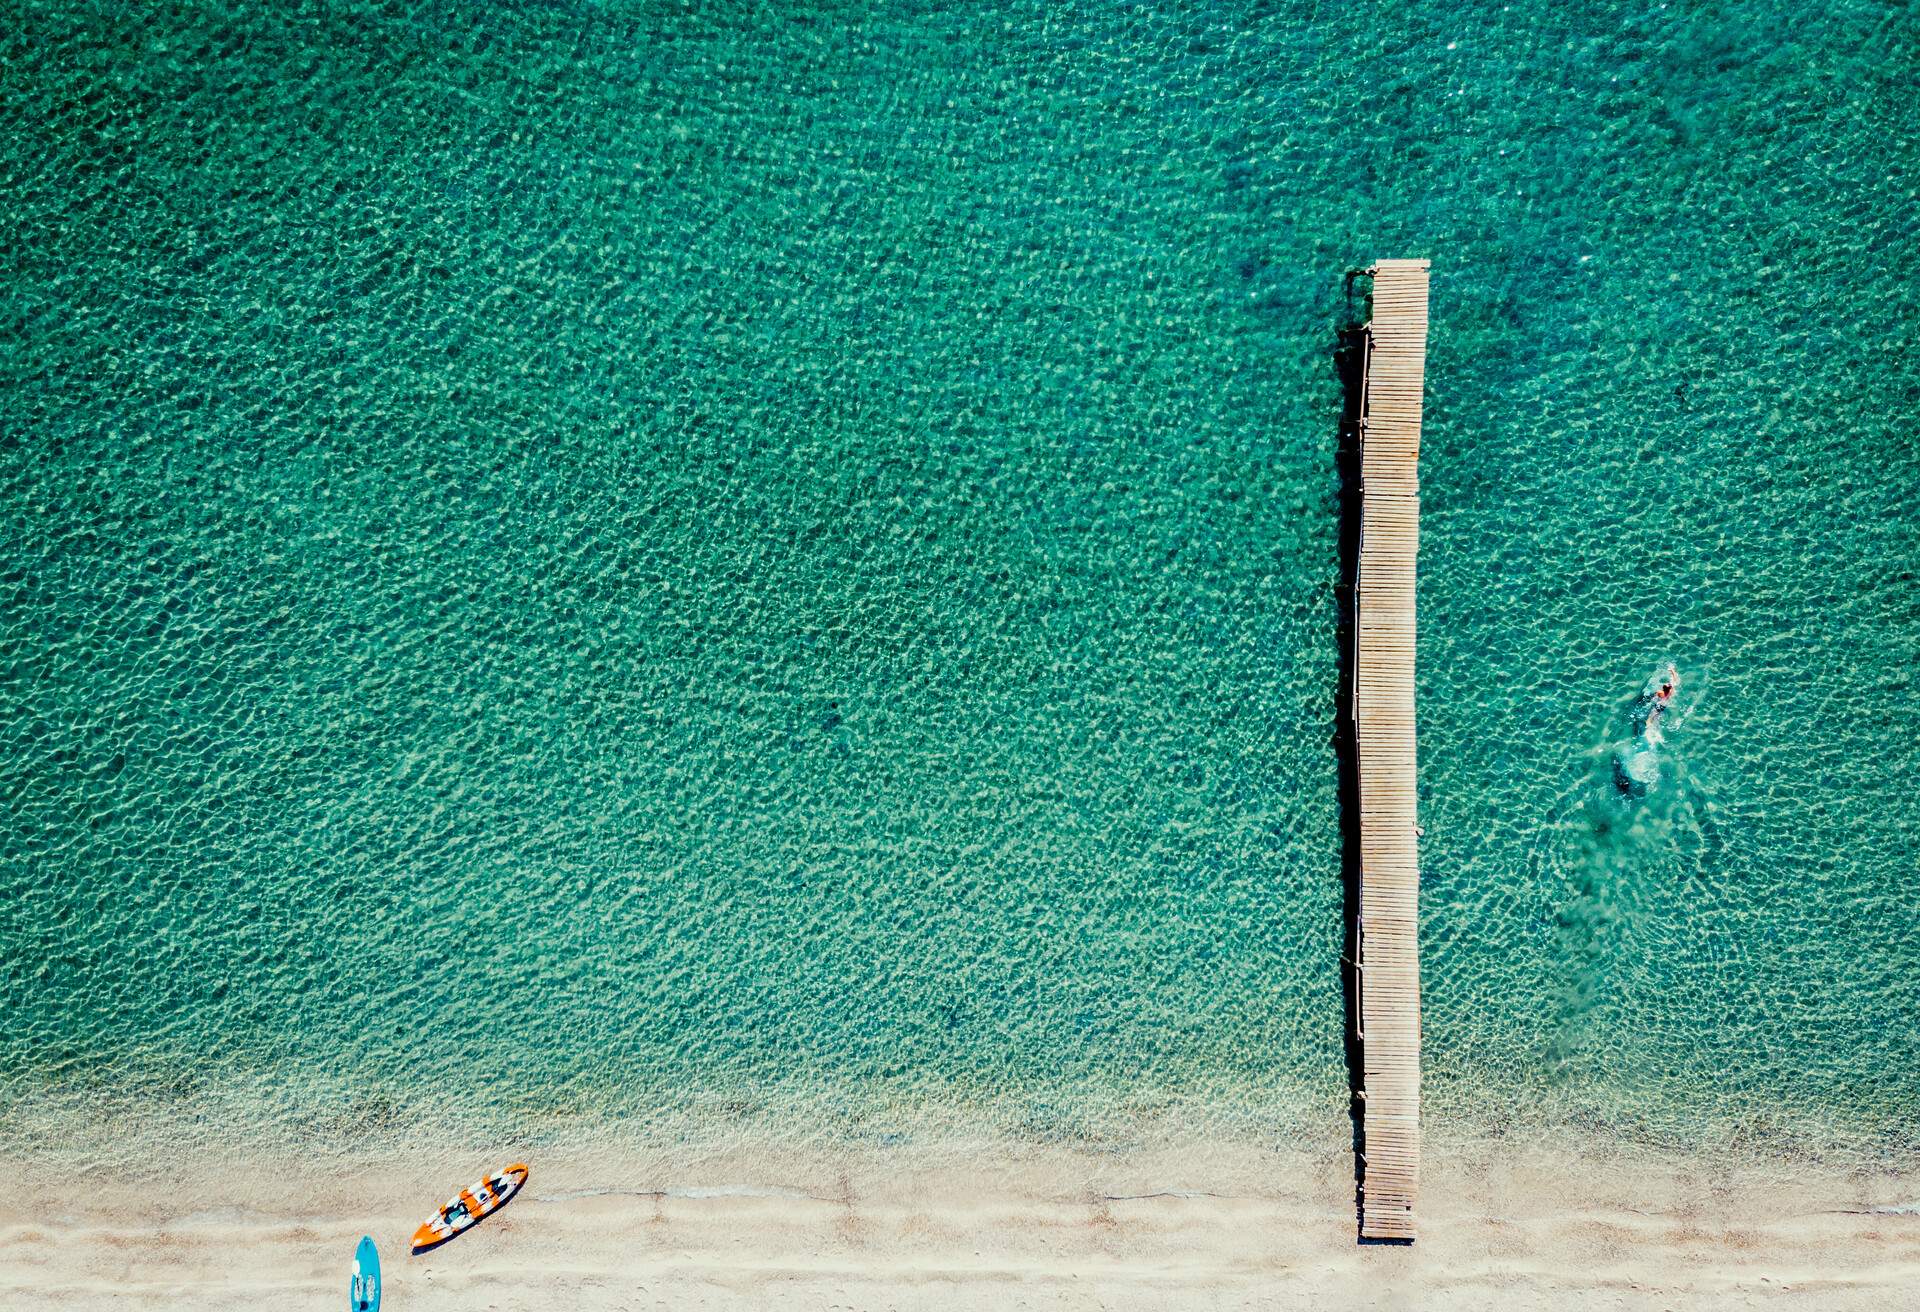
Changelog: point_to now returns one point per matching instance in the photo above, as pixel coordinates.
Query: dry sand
(1054, 1228)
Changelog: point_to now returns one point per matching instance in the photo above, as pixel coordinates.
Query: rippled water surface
(781, 562)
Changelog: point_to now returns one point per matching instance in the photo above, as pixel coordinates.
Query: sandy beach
(1046, 1229)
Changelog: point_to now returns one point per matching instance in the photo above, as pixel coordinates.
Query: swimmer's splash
(1636, 765)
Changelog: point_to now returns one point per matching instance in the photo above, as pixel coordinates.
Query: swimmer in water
(1653, 701)
(1636, 765)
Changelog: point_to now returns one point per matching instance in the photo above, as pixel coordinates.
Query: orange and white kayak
(469, 1206)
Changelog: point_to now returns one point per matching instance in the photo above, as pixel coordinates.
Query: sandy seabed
(1502, 1226)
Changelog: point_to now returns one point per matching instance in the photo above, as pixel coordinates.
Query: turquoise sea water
(779, 562)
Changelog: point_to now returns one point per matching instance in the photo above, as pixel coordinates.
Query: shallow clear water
(782, 565)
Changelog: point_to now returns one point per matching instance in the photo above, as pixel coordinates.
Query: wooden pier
(1388, 969)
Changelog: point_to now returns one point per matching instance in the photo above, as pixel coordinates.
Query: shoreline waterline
(96, 1130)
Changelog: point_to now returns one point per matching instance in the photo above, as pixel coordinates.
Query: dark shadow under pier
(1348, 359)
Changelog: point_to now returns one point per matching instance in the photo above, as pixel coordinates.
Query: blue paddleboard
(363, 1295)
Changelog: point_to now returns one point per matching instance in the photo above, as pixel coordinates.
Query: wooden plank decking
(1389, 965)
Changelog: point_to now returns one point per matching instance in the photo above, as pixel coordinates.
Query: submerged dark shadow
(1348, 359)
